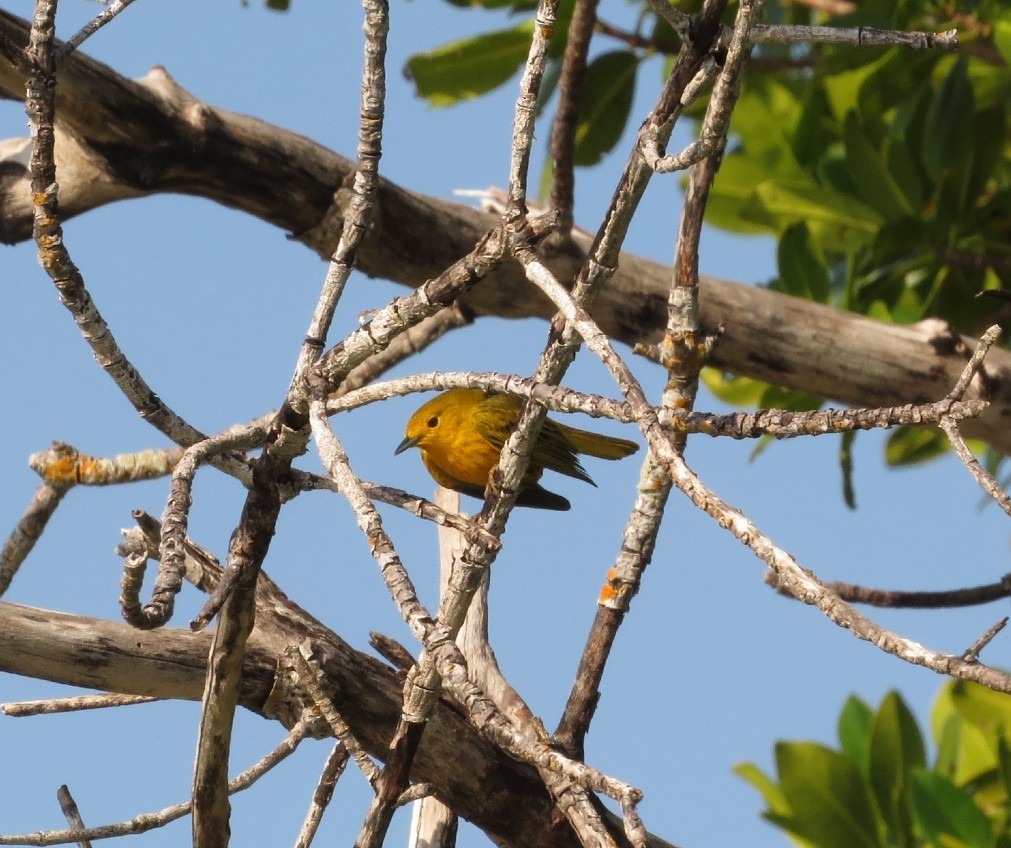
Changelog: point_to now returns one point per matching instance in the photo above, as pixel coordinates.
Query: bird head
(438, 418)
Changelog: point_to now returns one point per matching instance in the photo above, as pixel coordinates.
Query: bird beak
(407, 443)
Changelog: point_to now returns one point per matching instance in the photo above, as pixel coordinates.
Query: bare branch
(95, 24)
(51, 706)
(71, 813)
(526, 106)
(332, 771)
(150, 821)
(892, 598)
(972, 655)
(301, 657)
(563, 132)
(28, 530)
(854, 36)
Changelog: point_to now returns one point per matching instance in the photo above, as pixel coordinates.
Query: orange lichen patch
(609, 591)
(68, 469)
(607, 594)
(63, 465)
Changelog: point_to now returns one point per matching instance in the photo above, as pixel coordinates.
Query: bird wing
(555, 452)
(497, 420)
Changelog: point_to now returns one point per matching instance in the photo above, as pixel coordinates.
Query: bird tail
(598, 445)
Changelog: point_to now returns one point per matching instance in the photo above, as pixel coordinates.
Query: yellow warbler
(461, 433)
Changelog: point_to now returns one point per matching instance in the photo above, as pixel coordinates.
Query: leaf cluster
(878, 790)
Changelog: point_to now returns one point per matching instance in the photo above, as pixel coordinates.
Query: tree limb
(499, 795)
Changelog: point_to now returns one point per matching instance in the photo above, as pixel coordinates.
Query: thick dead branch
(502, 797)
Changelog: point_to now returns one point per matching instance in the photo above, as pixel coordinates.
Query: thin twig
(28, 530)
(71, 813)
(526, 106)
(40, 103)
(412, 341)
(51, 706)
(987, 482)
(972, 655)
(321, 797)
(301, 658)
(854, 36)
(64, 465)
(975, 363)
(149, 821)
(779, 423)
(897, 599)
(89, 29)
(397, 580)
(175, 520)
(563, 132)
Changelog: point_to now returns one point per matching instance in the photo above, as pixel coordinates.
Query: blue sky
(711, 667)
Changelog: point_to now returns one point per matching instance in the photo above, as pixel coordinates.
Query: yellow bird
(461, 433)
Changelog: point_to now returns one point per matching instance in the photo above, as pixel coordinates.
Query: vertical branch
(72, 813)
(289, 434)
(356, 221)
(563, 133)
(526, 108)
(424, 682)
(682, 352)
(602, 259)
(246, 553)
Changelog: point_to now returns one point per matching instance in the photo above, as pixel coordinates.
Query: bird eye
(433, 421)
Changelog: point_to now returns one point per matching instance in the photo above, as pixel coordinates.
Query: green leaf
(606, 101)
(988, 710)
(947, 815)
(896, 749)
(778, 397)
(909, 445)
(801, 201)
(843, 88)
(801, 271)
(830, 213)
(905, 173)
(948, 737)
(1002, 36)
(896, 741)
(896, 76)
(816, 128)
(767, 787)
(964, 751)
(738, 392)
(278, 5)
(746, 393)
(870, 173)
(947, 137)
(1004, 770)
(829, 798)
(855, 729)
(764, 119)
(471, 67)
(989, 140)
(733, 191)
